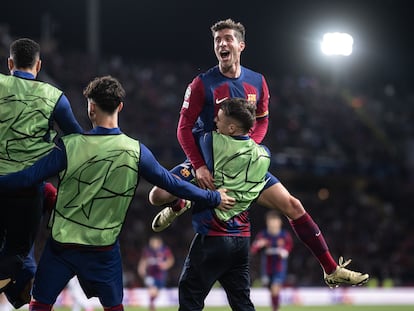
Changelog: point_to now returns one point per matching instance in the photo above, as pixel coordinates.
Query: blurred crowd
(346, 151)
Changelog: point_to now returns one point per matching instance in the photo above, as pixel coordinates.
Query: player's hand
(227, 202)
(282, 252)
(204, 178)
(261, 243)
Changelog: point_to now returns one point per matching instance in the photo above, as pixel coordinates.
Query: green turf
(286, 308)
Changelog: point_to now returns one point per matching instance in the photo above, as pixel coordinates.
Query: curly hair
(107, 92)
(240, 110)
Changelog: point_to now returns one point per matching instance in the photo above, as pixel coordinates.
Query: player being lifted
(201, 103)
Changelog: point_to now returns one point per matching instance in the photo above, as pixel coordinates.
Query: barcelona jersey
(203, 99)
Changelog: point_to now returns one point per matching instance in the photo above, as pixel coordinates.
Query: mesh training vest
(25, 130)
(239, 166)
(96, 188)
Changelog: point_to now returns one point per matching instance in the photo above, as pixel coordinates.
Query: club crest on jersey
(251, 98)
(185, 172)
(187, 94)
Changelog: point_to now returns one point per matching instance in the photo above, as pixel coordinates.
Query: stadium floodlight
(337, 43)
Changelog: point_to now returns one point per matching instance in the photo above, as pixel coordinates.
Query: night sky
(282, 36)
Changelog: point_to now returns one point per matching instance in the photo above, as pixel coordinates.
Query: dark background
(282, 36)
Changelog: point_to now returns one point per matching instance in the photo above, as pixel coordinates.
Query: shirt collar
(99, 130)
(23, 74)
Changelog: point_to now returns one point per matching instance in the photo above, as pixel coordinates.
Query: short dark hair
(240, 31)
(107, 92)
(24, 52)
(240, 110)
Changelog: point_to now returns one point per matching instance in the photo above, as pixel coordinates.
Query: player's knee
(155, 196)
(159, 197)
(296, 208)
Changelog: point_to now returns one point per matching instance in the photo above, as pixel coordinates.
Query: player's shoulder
(247, 72)
(211, 72)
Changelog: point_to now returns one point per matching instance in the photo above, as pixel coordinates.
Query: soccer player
(274, 245)
(156, 259)
(202, 100)
(98, 172)
(29, 108)
(220, 248)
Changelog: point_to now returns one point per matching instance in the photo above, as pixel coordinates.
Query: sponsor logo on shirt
(219, 101)
(187, 95)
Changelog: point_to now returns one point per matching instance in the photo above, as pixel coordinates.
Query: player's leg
(102, 276)
(275, 195)
(200, 271)
(236, 279)
(52, 275)
(275, 289)
(154, 286)
(173, 206)
(153, 294)
(19, 225)
(19, 292)
(275, 284)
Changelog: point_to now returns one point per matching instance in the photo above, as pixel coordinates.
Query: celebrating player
(202, 100)
(220, 248)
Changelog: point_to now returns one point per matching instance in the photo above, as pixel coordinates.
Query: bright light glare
(337, 43)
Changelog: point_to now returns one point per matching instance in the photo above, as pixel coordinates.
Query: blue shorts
(278, 277)
(99, 273)
(186, 172)
(151, 281)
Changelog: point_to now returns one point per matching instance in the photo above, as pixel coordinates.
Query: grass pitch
(286, 308)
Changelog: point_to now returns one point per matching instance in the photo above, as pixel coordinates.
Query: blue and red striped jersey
(271, 259)
(154, 259)
(202, 101)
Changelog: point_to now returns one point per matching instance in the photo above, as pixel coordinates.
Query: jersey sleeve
(156, 174)
(254, 249)
(46, 167)
(259, 130)
(192, 106)
(206, 148)
(65, 118)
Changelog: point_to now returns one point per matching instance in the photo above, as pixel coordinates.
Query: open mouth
(224, 55)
